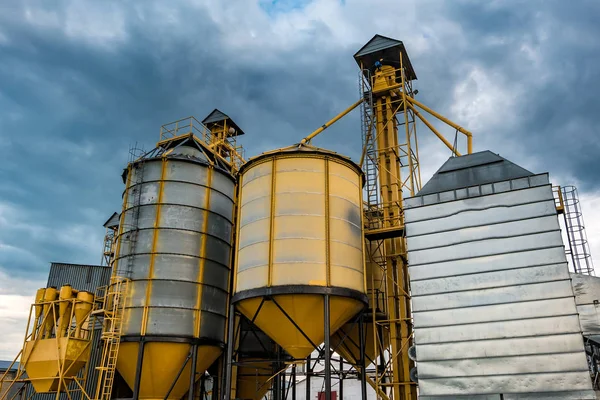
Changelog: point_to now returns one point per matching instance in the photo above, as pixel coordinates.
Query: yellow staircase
(114, 305)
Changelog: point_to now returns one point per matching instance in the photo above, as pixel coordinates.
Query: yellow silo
(346, 340)
(300, 245)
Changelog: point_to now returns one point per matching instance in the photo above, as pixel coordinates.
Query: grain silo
(174, 247)
(300, 246)
(494, 310)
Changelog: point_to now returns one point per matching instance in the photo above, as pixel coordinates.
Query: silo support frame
(138, 370)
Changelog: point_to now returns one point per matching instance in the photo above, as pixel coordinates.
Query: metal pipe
(331, 122)
(459, 128)
(432, 128)
(327, 350)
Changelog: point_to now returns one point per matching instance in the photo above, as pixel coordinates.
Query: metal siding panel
(486, 247)
(481, 297)
(565, 362)
(539, 180)
(492, 279)
(545, 382)
(491, 215)
(493, 306)
(507, 199)
(82, 277)
(586, 288)
(479, 233)
(570, 395)
(498, 330)
(497, 312)
(589, 318)
(499, 347)
(497, 262)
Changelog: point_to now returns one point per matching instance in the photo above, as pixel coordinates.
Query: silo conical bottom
(346, 343)
(253, 379)
(162, 361)
(306, 310)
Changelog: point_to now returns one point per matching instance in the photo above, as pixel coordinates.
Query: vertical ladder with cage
(371, 197)
(116, 294)
(113, 322)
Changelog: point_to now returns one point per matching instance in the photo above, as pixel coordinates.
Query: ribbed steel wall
(81, 277)
(494, 310)
(87, 278)
(587, 298)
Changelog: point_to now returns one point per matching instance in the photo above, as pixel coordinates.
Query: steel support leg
(193, 372)
(203, 386)
(327, 350)
(363, 366)
(138, 369)
(308, 373)
(229, 354)
(341, 389)
(293, 382)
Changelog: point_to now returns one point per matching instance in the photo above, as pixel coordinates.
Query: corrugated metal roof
(388, 49)
(472, 170)
(217, 116)
(5, 364)
(81, 277)
(113, 221)
(377, 43)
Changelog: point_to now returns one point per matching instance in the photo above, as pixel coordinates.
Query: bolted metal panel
(502, 347)
(81, 277)
(276, 246)
(175, 247)
(587, 298)
(184, 229)
(494, 310)
(300, 236)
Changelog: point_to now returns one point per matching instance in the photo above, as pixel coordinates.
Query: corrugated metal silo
(300, 242)
(494, 311)
(174, 245)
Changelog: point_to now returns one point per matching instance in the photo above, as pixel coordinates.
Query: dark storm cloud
(557, 115)
(72, 105)
(80, 106)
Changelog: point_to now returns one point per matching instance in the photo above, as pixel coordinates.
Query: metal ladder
(115, 298)
(113, 323)
(133, 204)
(369, 140)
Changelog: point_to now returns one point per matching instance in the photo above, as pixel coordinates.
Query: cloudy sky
(81, 81)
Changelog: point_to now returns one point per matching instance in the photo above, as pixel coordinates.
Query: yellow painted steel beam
(407, 129)
(435, 131)
(161, 188)
(331, 122)
(459, 128)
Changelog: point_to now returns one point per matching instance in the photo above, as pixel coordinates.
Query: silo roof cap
(472, 170)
